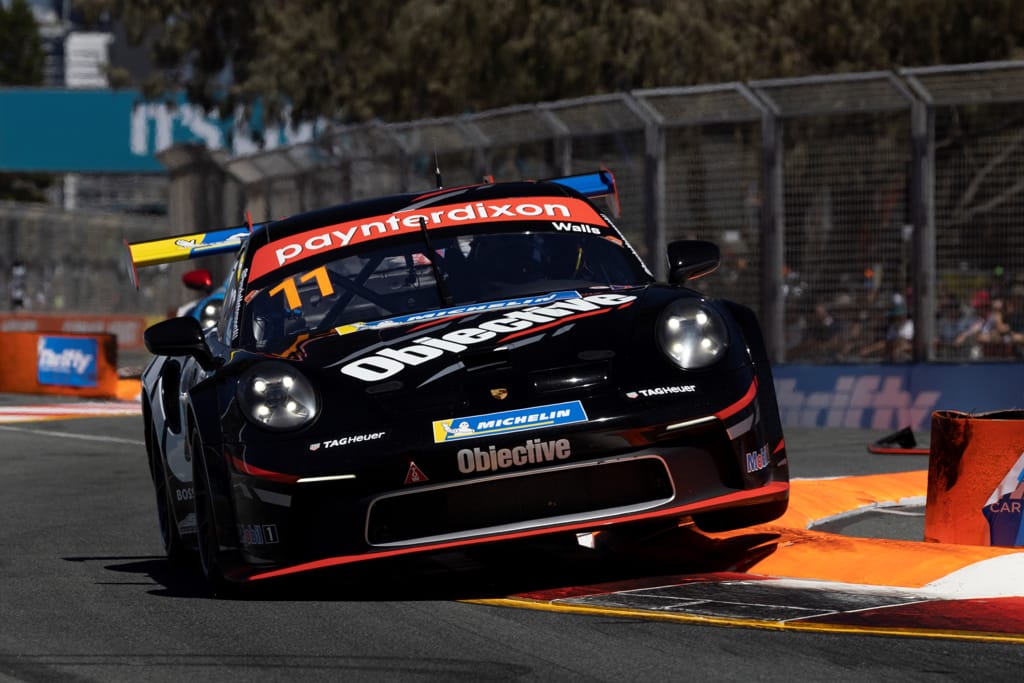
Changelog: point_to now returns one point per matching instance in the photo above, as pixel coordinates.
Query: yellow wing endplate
(184, 247)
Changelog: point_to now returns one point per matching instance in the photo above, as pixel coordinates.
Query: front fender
(762, 367)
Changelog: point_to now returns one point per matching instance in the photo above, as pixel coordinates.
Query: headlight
(276, 396)
(209, 313)
(692, 334)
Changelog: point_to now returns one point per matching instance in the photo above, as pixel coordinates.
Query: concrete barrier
(59, 364)
(127, 328)
(975, 473)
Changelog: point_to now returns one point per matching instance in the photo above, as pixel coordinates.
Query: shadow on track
(174, 581)
(631, 557)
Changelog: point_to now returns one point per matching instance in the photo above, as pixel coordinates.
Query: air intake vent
(510, 503)
(479, 359)
(575, 377)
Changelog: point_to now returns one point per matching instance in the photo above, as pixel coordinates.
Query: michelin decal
(524, 419)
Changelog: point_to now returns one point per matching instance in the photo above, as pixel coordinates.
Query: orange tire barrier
(59, 364)
(975, 471)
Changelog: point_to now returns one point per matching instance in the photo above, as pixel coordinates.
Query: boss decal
(663, 391)
(493, 459)
(757, 460)
(508, 421)
(391, 361)
(345, 440)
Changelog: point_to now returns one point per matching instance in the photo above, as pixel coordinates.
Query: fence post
(922, 216)
(562, 141)
(654, 191)
(773, 235)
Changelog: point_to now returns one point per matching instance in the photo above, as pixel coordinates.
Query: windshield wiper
(442, 288)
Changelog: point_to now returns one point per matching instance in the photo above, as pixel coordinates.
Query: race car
(206, 309)
(461, 366)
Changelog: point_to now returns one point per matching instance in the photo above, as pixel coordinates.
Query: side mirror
(199, 280)
(691, 259)
(180, 337)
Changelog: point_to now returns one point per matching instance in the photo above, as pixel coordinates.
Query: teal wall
(117, 131)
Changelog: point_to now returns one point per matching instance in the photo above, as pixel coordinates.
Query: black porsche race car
(431, 370)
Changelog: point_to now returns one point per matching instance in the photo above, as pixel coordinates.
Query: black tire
(737, 518)
(174, 546)
(207, 528)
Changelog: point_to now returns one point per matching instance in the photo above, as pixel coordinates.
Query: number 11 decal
(291, 290)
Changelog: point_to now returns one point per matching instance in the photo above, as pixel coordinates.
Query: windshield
(396, 279)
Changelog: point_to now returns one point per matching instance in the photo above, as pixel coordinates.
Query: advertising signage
(54, 130)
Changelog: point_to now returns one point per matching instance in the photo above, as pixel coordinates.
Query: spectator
(899, 338)
(898, 341)
(17, 284)
(824, 331)
(1014, 314)
(948, 320)
(995, 329)
(991, 333)
(974, 317)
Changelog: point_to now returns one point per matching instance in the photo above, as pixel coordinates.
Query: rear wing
(184, 247)
(597, 184)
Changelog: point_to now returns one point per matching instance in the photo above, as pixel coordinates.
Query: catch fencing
(849, 208)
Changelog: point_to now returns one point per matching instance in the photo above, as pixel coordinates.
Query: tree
(21, 63)
(354, 60)
(21, 50)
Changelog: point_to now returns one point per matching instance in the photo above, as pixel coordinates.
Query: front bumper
(663, 469)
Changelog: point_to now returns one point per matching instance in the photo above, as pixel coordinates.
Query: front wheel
(174, 547)
(207, 529)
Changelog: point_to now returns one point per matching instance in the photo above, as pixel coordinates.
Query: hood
(433, 350)
(595, 350)
(501, 355)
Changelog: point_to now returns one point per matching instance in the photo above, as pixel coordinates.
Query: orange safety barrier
(976, 478)
(62, 364)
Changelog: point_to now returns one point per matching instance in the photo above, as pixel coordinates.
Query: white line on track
(62, 411)
(73, 435)
(905, 513)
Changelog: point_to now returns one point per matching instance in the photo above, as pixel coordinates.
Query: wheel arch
(216, 472)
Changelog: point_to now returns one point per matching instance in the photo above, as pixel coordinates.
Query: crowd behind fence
(869, 217)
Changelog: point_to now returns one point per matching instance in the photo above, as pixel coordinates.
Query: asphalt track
(86, 596)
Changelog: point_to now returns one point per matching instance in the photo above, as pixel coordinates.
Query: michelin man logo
(463, 429)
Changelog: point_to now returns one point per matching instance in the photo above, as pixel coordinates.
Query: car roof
(376, 206)
(290, 240)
